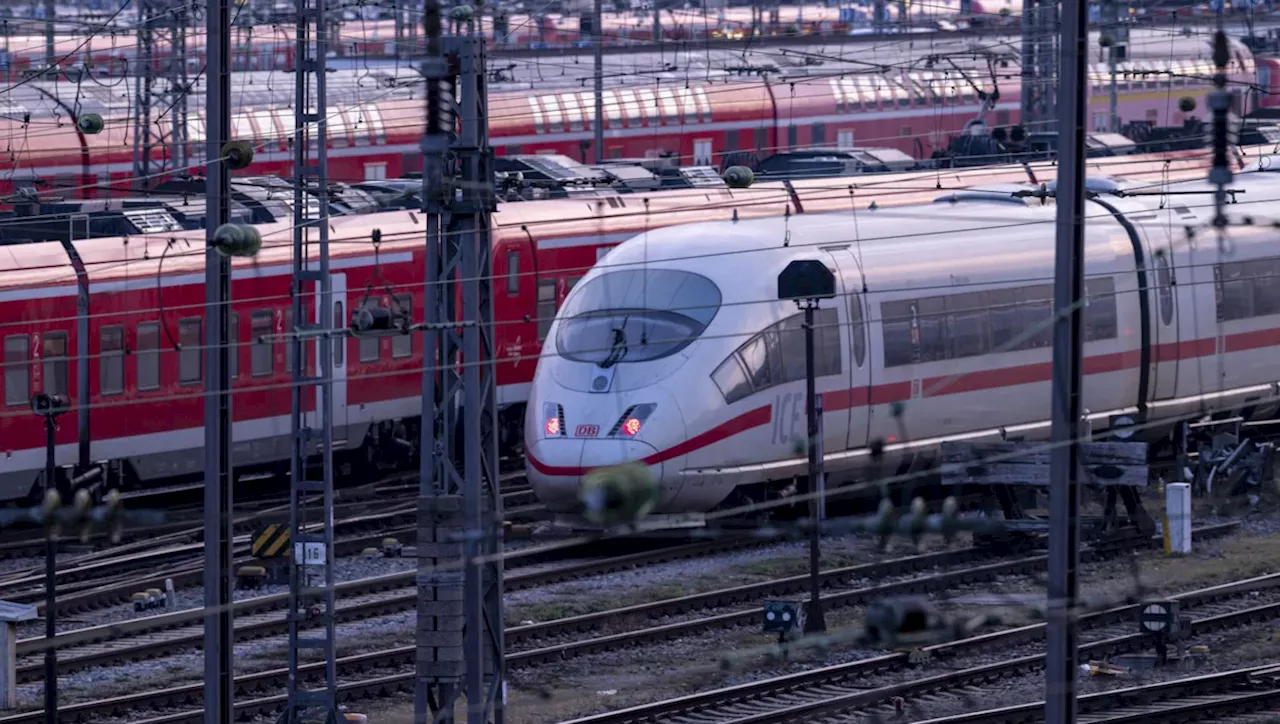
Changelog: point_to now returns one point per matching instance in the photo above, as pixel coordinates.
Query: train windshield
(635, 315)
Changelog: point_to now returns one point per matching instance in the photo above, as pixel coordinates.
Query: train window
(731, 380)
(967, 324)
(1002, 318)
(233, 346)
(513, 273)
(339, 342)
(776, 355)
(791, 137)
(931, 329)
(147, 356)
(573, 282)
(402, 344)
(55, 363)
(818, 134)
(899, 349)
(1164, 279)
(546, 309)
(1233, 292)
(1266, 287)
(190, 352)
(111, 360)
(262, 361)
(1035, 316)
(1247, 288)
(857, 330)
(1100, 310)
(755, 356)
(634, 315)
(762, 138)
(370, 349)
(17, 370)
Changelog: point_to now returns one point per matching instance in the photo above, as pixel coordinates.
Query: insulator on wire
(238, 154)
(90, 124)
(739, 177)
(241, 240)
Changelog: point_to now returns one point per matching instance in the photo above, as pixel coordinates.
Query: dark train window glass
(755, 358)
(55, 363)
(189, 357)
(857, 331)
(263, 362)
(1247, 288)
(1235, 292)
(111, 360)
(1002, 318)
(731, 380)
(370, 347)
(899, 349)
(827, 343)
(1164, 278)
(931, 325)
(513, 273)
(233, 346)
(819, 134)
(791, 137)
(402, 344)
(967, 324)
(776, 356)
(1035, 316)
(762, 139)
(546, 309)
(17, 370)
(1100, 310)
(147, 356)
(1266, 287)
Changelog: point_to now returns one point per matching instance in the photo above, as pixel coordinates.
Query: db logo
(587, 431)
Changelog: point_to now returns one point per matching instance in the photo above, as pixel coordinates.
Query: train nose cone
(556, 467)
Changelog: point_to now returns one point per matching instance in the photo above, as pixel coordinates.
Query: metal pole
(1112, 21)
(814, 621)
(50, 12)
(1064, 521)
(50, 589)
(599, 47)
(218, 534)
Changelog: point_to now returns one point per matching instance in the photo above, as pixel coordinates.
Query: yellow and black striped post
(271, 541)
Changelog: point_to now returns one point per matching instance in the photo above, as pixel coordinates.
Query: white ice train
(674, 351)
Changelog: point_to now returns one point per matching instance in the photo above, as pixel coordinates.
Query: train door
(856, 342)
(340, 316)
(1164, 321)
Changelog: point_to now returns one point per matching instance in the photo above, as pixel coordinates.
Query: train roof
(545, 222)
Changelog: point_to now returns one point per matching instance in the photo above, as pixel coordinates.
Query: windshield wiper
(618, 347)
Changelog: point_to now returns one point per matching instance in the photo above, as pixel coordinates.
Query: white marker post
(1177, 518)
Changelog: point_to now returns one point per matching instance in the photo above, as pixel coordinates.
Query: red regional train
(702, 123)
(271, 47)
(117, 323)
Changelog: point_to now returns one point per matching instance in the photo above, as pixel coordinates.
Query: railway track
(1196, 698)
(359, 599)
(837, 691)
(526, 636)
(110, 577)
(186, 523)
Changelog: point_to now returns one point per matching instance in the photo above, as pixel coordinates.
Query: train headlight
(553, 419)
(630, 422)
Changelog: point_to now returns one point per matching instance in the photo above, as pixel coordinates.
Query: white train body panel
(942, 314)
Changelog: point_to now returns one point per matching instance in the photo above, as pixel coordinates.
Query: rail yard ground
(631, 676)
